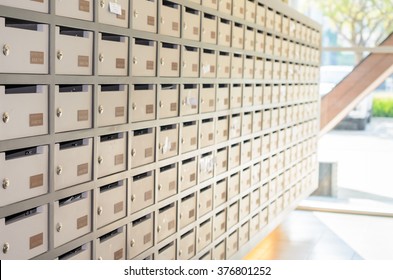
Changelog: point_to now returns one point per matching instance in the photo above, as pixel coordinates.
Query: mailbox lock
(199, 240)
(159, 229)
(59, 170)
(134, 60)
(184, 64)
(132, 243)
(136, 13)
(100, 210)
(6, 50)
(162, 20)
(185, 26)
(59, 112)
(101, 57)
(100, 258)
(6, 247)
(102, 4)
(6, 117)
(100, 109)
(159, 187)
(59, 226)
(59, 55)
(181, 215)
(133, 106)
(162, 61)
(100, 159)
(6, 183)
(133, 197)
(161, 104)
(183, 141)
(133, 152)
(181, 178)
(183, 102)
(180, 252)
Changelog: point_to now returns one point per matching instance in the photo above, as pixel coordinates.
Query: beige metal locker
(143, 102)
(236, 93)
(224, 32)
(191, 24)
(189, 137)
(80, 253)
(250, 10)
(169, 60)
(141, 191)
(112, 104)
(187, 210)
(188, 173)
(205, 201)
(204, 235)
(209, 29)
(234, 156)
(168, 97)
(219, 224)
(206, 166)
(144, 58)
(222, 102)
(168, 141)
(112, 154)
(114, 13)
(222, 160)
(237, 66)
(237, 35)
(80, 9)
(144, 15)
(232, 244)
(169, 18)
(207, 95)
(233, 185)
(142, 147)
(207, 133)
(238, 9)
(189, 96)
(168, 252)
(219, 251)
(112, 246)
(140, 234)
(233, 215)
(190, 64)
(220, 192)
(244, 234)
(187, 245)
(166, 221)
(167, 182)
(208, 63)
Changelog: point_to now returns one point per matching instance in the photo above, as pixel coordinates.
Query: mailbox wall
(153, 129)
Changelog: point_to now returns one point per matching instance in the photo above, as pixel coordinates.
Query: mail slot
(112, 154)
(73, 107)
(235, 126)
(205, 201)
(167, 182)
(187, 245)
(169, 60)
(267, 94)
(207, 98)
(237, 35)
(223, 65)
(25, 46)
(114, 13)
(244, 207)
(144, 15)
(79, 253)
(112, 100)
(232, 243)
(234, 156)
(169, 18)
(249, 41)
(206, 166)
(245, 182)
(168, 97)
(219, 224)
(256, 147)
(204, 234)
(233, 185)
(168, 141)
(222, 97)
(140, 235)
(266, 122)
(111, 203)
(38, 6)
(24, 110)
(208, 63)
(255, 200)
(250, 11)
(209, 28)
(187, 210)
(188, 173)
(189, 138)
(143, 103)
(224, 32)
(246, 150)
(112, 55)
(219, 251)
(263, 217)
(189, 99)
(31, 178)
(142, 147)
(237, 65)
(74, 51)
(206, 134)
(168, 252)
(141, 192)
(265, 169)
(166, 221)
(247, 123)
(248, 67)
(73, 163)
(254, 225)
(257, 121)
(222, 160)
(256, 174)
(71, 218)
(190, 64)
(220, 192)
(24, 235)
(222, 129)
(236, 96)
(258, 70)
(112, 246)
(274, 141)
(264, 190)
(191, 23)
(244, 234)
(225, 6)
(144, 61)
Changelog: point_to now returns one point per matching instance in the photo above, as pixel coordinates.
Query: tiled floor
(307, 235)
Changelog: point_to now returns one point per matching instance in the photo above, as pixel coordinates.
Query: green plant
(383, 107)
